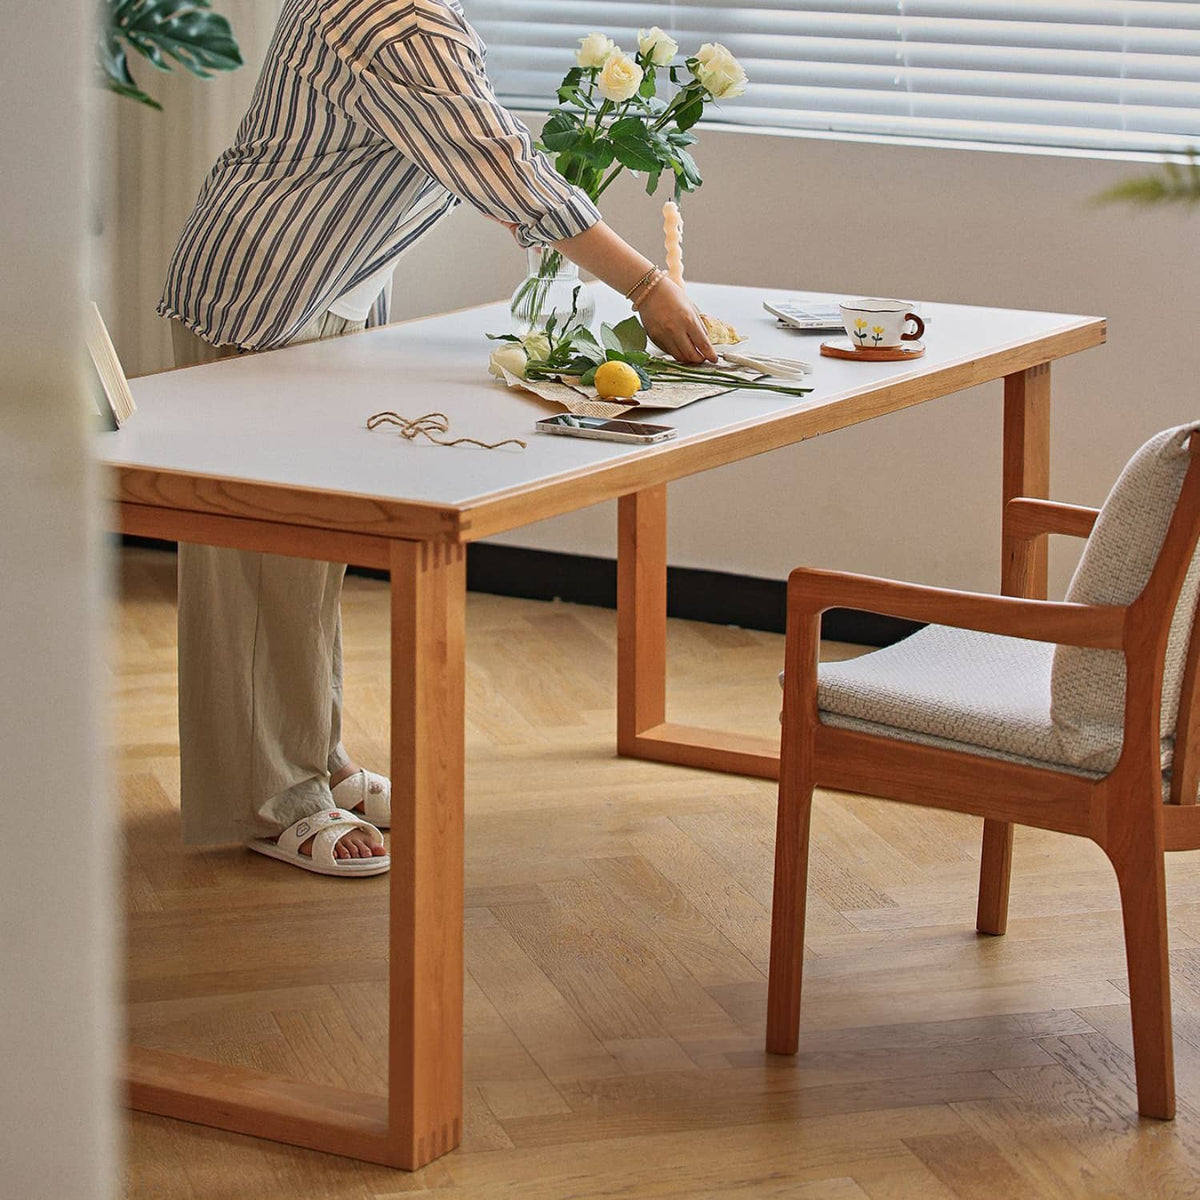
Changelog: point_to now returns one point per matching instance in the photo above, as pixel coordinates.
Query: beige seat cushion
(954, 688)
(1025, 701)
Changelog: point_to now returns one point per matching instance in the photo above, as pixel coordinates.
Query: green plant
(1170, 183)
(187, 31)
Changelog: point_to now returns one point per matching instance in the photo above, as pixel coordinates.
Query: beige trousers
(260, 671)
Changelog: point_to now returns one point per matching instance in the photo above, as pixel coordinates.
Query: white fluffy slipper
(373, 792)
(329, 826)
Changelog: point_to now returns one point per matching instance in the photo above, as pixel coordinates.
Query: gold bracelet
(655, 280)
(645, 279)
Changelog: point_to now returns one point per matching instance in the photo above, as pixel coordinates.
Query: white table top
(296, 418)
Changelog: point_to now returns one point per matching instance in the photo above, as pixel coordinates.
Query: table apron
(244, 533)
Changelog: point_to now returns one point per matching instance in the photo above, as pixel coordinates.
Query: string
(430, 424)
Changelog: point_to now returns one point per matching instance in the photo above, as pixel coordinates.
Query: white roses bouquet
(610, 115)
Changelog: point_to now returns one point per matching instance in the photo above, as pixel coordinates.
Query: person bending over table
(370, 120)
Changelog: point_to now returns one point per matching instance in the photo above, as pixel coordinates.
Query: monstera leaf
(185, 31)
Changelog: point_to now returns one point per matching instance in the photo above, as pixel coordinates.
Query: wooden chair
(1118, 801)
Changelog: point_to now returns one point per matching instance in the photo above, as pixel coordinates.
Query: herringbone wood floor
(617, 931)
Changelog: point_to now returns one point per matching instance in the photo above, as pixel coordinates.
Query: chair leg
(787, 910)
(1141, 877)
(995, 867)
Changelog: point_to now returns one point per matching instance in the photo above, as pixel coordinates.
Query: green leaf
(635, 157)
(630, 334)
(589, 376)
(132, 92)
(647, 87)
(561, 132)
(661, 147)
(632, 358)
(583, 342)
(113, 69)
(689, 111)
(572, 78)
(570, 166)
(652, 178)
(687, 174)
(610, 339)
(599, 153)
(1170, 183)
(630, 129)
(186, 31)
(633, 145)
(579, 364)
(502, 337)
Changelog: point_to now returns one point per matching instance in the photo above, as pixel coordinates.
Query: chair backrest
(1087, 687)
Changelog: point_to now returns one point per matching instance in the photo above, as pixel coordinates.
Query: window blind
(1090, 74)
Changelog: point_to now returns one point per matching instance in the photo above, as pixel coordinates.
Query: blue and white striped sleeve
(428, 94)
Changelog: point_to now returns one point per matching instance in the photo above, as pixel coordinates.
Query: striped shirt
(371, 118)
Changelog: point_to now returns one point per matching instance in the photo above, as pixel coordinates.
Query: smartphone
(605, 429)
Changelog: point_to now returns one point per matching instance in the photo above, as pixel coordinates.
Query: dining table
(271, 452)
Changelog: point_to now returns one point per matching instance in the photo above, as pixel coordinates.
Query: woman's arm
(428, 94)
(670, 318)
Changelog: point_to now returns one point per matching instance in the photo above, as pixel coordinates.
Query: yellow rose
(620, 78)
(594, 49)
(721, 73)
(656, 46)
(511, 358)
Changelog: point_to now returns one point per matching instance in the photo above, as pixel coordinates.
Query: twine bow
(429, 425)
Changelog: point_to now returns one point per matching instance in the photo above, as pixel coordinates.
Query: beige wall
(913, 495)
(56, 887)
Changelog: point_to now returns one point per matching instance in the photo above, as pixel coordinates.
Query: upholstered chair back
(1088, 686)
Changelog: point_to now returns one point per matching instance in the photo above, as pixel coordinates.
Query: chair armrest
(1101, 627)
(1026, 518)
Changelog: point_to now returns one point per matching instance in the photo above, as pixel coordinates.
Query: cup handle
(918, 332)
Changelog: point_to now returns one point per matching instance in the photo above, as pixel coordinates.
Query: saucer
(843, 348)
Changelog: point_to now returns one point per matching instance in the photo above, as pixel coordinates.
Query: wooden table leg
(642, 728)
(641, 615)
(1023, 571)
(1026, 472)
(425, 1088)
(422, 1115)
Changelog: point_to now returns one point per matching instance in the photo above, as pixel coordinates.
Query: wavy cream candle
(673, 230)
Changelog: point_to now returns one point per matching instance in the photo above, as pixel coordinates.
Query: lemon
(616, 381)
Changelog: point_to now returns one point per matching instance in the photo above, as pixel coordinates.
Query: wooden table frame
(423, 546)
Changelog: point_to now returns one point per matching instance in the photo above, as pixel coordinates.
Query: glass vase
(551, 287)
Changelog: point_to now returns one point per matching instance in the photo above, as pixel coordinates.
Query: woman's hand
(670, 318)
(674, 324)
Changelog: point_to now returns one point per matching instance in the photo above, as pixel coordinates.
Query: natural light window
(1089, 74)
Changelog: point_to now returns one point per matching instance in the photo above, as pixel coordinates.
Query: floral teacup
(880, 324)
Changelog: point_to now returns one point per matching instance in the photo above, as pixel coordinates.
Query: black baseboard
(694, 595)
